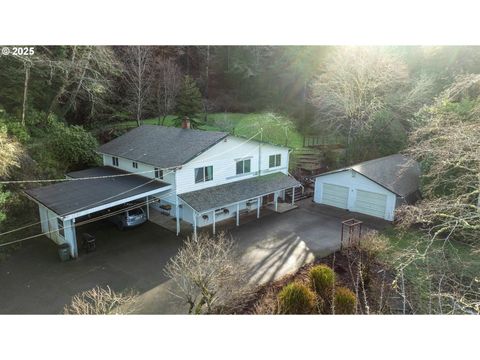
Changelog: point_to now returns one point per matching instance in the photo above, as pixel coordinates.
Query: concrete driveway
(32, 280)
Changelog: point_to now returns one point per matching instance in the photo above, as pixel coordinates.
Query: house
(376, 187)
(190, 176)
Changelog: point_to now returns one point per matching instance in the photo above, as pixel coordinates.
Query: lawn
(276, 129)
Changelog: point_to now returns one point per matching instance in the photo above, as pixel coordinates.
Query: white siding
(355, 181)
(223, 157)
(49, 225)
(143, 169)
(187, 213)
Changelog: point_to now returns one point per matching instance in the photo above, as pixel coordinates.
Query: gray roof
(396, 173)
(69, 197)
(226, 194)
(162, 146)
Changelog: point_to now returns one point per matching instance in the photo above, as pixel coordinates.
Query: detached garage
(374, 187)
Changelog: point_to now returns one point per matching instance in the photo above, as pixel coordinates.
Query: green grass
(274, 126)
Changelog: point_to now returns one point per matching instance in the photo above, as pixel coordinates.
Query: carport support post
(75, 243)
(258, 207)
(238, 214)
(213, 217)
(293, 195)
(177, 215)
(148, 209)
(195, 225)
(276, 201)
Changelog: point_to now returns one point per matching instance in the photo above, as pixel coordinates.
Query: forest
(58, 104)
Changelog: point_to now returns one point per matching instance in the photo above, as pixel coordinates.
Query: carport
(87, 192)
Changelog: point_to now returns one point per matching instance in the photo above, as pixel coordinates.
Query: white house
(376, 187)
(194, 176)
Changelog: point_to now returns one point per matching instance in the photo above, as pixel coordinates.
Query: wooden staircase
(309, 159)
(299, 194)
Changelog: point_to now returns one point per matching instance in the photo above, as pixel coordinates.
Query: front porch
(207, 207)
(165, 220)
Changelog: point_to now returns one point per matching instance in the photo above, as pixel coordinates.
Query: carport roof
(231, 193)
(106, 187)
(397, 173)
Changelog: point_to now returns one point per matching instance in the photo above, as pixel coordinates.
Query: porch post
(276, 201)
(258, 207)
(293, 195)
(74, 234)
(213, 217)
(195, 225)
(148, 209)
(238, 214)
(177, 214)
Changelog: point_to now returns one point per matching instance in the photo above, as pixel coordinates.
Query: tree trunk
(80, 82)
(25, 91)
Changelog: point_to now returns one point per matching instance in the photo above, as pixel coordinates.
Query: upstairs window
(243, 167)
(158, 173)
(135, 165)
(114, 161)
(203, 174)
(274, 160)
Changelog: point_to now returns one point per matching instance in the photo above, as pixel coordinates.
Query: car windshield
(138, 211)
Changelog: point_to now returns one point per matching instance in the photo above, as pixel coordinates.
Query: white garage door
(370, 203)
(335, 195)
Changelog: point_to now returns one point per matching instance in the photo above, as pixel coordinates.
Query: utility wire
(94, 203)
(113, 176)
(113, 213)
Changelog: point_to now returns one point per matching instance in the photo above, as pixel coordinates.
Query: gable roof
(162, 146)
(397, 173)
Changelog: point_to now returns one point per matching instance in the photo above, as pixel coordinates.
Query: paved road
(32, 280)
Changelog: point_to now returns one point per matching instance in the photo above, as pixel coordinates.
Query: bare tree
(354, 85)
(85, 74)
(448, 143)
(101, 301)
(169, 79)
(207, 275)
(138, 76)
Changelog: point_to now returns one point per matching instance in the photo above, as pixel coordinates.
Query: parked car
(129, 218)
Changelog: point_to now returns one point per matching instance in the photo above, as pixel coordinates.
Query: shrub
(345, 301)
(296, 298)
(102, 301)
(73, 146)
(322, 280)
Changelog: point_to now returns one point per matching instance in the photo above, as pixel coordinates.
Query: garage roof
(231, 193)
(107, 187)
(162, 146)
(396, 173)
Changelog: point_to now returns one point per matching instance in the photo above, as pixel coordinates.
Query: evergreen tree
(189, 102)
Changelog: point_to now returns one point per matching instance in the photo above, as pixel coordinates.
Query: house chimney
(186, 123)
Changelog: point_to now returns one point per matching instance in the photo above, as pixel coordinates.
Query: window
(135, 165)
(115, 161)
(203, 174)
(61, 231)
(275, 160)
(158, 173)
(243, 166)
